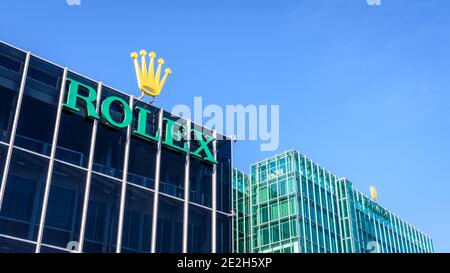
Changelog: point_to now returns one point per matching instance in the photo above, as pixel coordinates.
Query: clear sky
(363, 90)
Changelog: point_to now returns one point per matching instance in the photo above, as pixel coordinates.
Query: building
(241, 205)
(86, 168)
(297, 206)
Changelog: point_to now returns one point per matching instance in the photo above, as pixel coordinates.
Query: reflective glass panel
(137, 224)
(200, 179)
(24, 191)
(8, 245)
(103, 215)
(11, 69)
(172, 172)
(75, 150)
(110, 142)
(39, 106)
(199, 237)
(224, 174)
(3, 152)
(169, 237)
(224, 230)
(142, 157)
(65, 206)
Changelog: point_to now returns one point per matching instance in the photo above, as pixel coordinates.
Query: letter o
(106, 105)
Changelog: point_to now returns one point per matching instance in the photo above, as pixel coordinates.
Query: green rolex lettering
(204, 147)
(174, 132)
(73, 95)
(106, 107)
(141, 130)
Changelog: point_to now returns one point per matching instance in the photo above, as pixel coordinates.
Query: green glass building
(241, 206)
(289, 204)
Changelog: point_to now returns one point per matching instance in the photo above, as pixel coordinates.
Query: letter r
(73, 95)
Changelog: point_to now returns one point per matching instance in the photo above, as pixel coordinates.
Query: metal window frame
(214, 198)
(299, 166)
(157, 179)
(51, 162)
(124, 183)
(89, 172)
(187, 164)
(14, 126)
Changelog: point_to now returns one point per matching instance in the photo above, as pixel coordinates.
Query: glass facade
(241, 205)
(72, 183)
(296, 206)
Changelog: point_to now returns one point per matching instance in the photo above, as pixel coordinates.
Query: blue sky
(363, 90)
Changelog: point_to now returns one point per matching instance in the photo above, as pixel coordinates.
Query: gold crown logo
(149, 82)
(373, 193)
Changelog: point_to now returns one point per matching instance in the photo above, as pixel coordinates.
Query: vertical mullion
(389, 239)
(315, 205)
(309, 205)
(252, 245)
(236, 178)
(376, 233)
(299, 166)
(234, 217)
(157, 178)
(124, 183)
(335, 215)
(186, 188)
(14, 127)
(385, 236)
(89, 172)
(394, 232)
(422, 243)
(51, 162)
(347, 204)
(339, 208)
(214, 198)
(399, 235)
(326, 179)
(380, 232)
(321, 177)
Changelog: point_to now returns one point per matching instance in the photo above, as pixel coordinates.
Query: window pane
(3, 151)
(169, 237)
(275, 232)
(11, 69)
(285, 230)
(65, 206)
(282, 187)
(24, 192)
(13, 246)
(103, 215)
(142, 158)
(263, 194)
(172, 172)
(75, 150)
(284, 209)
(223, 233)
(200, 179)
(137, 224)
(199, 238)
(273, 193)
(172, 159)
(274, 211)
(224, 174)
(39, 107)
(110, 142)
(264, 211)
